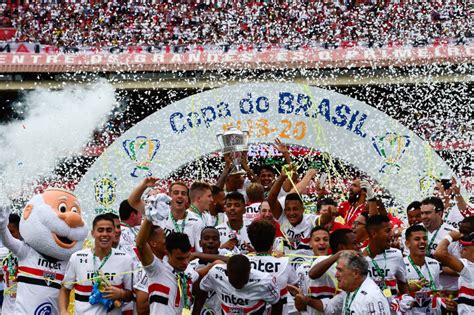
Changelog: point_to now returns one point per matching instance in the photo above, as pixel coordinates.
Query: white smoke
(56, 124)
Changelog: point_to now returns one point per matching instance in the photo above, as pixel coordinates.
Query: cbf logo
(142, 151)
(105, 189)
(391, 148)
(44, 309)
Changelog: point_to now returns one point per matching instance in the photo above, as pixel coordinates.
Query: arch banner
(327, 121)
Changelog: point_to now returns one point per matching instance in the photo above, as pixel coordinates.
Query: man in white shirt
(360, 294)
(171, 280)
(262, 236)
(422, 272)
(464, 266)
(432, 209)
(318, 280)
(386, 266)
(201, 198)
(178, 219)
(241, 289)
(103, 271)
(233, 233)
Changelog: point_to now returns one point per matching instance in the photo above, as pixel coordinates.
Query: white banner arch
(298, 114)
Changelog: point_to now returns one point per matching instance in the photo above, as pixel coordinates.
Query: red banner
(269, 59)
(7, 33)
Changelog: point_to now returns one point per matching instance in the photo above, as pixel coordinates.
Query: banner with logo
(301, 115)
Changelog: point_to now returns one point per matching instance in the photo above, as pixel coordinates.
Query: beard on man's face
(353, 197)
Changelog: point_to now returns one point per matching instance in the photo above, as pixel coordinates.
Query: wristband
(449, 238)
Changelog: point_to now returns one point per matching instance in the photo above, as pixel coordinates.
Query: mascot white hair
(52, 230)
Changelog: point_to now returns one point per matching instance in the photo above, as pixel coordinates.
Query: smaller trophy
(234, 142)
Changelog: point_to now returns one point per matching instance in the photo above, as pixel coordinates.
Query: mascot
(52, 229)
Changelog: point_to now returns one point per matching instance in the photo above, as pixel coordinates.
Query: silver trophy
(234, 142)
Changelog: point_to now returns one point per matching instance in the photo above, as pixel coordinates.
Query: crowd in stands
(276, 23)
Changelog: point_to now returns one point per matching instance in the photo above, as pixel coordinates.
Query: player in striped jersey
(464, 266)
(317, 281)
(360, 294)
(103, 269)
(422, 272)
(170, 280)
(262, 235)
(241, 289)
(233, 233)
(386, 266)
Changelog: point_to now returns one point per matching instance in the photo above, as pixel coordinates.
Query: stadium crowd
(247, 245)
(230, 24)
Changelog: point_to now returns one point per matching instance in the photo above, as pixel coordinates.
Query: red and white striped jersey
(466, 288)
(325, 286)
(251, 299)
(191, 226)
(393, 267)
(446, 282)
(296, 238)
(226, 233)
(165, 297)
(280, 268)
(127, 242)
(423, 297)
(39, 281)
(81, 269)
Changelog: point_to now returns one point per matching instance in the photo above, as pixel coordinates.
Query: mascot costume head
(52, 224)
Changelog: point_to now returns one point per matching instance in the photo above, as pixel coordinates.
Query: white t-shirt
(297, 238)
(212, 304)
(325, 286)
(392, 264)
(423, 297)
(190, 225)
(82, 266)
(164, 295)
(321, 288)
(367, 300)
(466, 288)
(251, 299)
(281, 269)
(445, 281)
(226, 233)
(39, 281)
(127, 242)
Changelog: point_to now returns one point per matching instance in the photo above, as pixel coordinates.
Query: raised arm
(135, 198)
(275, 206)
(444, 257)
(280, 146)
(16, 246)
(460, 202)
(227, 168)
(144, 251)
(318, 270)
(304, 182)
